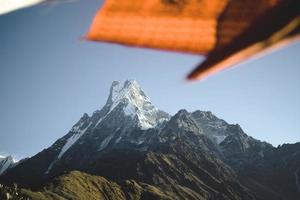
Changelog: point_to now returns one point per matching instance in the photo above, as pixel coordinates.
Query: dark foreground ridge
(131, 150)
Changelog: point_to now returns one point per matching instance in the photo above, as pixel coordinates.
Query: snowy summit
(135, 103)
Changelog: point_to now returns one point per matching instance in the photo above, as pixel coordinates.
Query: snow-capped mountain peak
(127, 106)
(119, 89)
(134, 103)
(127, 92)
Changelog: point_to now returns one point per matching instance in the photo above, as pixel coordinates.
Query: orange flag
(226, 31)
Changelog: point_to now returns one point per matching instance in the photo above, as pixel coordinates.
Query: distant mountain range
(131, 150)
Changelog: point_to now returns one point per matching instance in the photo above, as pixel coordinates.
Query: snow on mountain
(136, 104)
(72, 140)
(5, 163)
(125, 99)
(130, 100)
(105, 142)
(219, 138)
(129, 119)
(129, 108)
(213, 127)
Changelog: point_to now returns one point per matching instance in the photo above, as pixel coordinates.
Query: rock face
(139, 148)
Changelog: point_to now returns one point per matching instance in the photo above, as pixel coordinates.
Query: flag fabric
(7, 6)
(226, 31)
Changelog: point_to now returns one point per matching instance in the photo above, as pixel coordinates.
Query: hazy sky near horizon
(49, 78)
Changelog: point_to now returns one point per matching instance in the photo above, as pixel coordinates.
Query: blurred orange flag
(226, 31)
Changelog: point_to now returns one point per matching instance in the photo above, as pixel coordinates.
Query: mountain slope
(77, 186)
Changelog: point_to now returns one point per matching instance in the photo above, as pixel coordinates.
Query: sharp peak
(118, 90)
(129, 97)
(127, 83)
(205, 115)
(118, 86)
(202, 112)
(182, 112)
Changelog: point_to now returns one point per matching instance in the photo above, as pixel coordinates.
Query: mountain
(131, 149)
(6, 163)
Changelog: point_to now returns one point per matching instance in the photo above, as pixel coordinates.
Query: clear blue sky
(49, 78)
